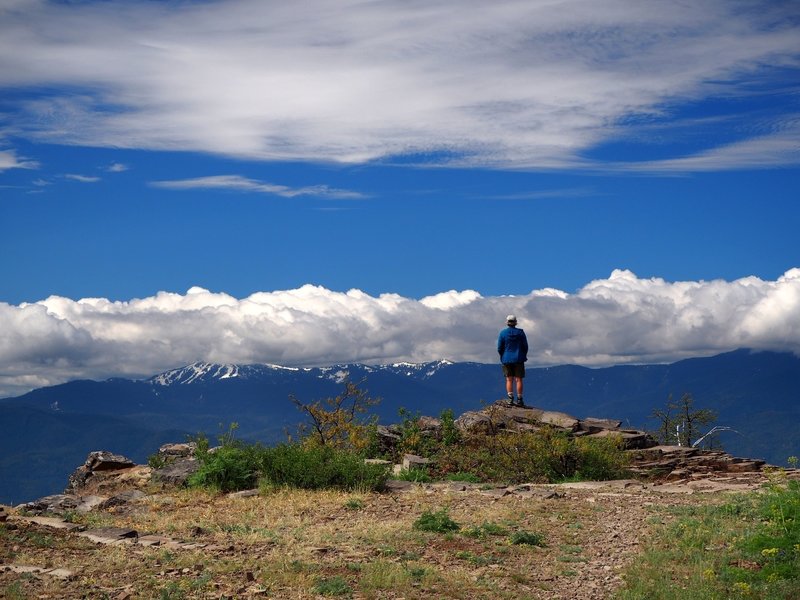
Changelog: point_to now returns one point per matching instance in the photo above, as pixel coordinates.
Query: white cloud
(621, 319)
(117, 168)
(506, 83)
(81, 178)
(10, 160)
(778, 149)
(243, 184)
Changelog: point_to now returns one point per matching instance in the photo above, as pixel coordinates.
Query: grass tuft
(748, 547)
(527, 538)
(436, 522)
(334, 586)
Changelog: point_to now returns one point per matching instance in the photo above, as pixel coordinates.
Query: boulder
(96, 462)
(60, 504)
(121, 499)
(429, 426)
(56, 504)
(559, 420)
(631, 438)
(474, 422)
(169, 453)
(595, 425)
(504, 416)
(177, 473)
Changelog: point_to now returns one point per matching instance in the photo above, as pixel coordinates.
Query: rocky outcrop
(178, 464)
(681, 463)
(58, 504)
(96, 463)
(108, 481)
(177, 473)
(503, 416)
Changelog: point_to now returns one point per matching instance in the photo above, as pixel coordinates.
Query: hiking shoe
(510, 398)
(520, 403)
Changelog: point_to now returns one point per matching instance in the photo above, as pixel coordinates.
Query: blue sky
(414, 231)
(396, 148)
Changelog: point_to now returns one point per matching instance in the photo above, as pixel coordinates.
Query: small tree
(339, 422)
(666, 422)
(680, 422)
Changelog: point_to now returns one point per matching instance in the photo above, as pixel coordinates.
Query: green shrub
(542, 456)
(340, 421)
(237, 466)
(450, 433)
(412, 439)
(437, 522)
(156, 461)
(318, 467)
(486, 529)
(601, 459)
(229, 468)
(528, 538)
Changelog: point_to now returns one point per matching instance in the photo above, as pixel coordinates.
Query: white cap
(511, 319)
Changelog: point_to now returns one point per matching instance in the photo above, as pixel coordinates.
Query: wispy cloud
(620, 319)
(577, 192)
(81, 178)
(244, 184)
(10, 160)
(504, 84)
(116, 168)
(768, 151)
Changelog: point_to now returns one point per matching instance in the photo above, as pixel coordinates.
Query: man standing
(512, 345)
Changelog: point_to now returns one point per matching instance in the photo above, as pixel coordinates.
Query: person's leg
(519, 387)
(510, 387)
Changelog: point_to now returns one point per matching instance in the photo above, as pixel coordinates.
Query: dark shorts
(514, 370)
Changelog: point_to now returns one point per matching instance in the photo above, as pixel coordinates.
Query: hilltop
(49, 430)
(128, 531)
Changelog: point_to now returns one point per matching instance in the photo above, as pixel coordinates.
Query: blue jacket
(512, 345)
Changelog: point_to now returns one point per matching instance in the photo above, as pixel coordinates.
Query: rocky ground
(123, 531)
(281, 544)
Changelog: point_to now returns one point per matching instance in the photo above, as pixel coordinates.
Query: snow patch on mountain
(205, 372)
(194, 372)
(427, 369)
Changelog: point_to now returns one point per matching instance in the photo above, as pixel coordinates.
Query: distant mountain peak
(425, 369)
(196, 372)
(204, 372)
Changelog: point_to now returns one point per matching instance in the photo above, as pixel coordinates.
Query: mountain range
(47, 432)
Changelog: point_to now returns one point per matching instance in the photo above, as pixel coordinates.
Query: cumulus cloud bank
(501, 84)
(622, 319)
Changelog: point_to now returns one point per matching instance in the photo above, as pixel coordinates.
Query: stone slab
(243, 494)
(51, 522)
(110, 535)
(63, 574)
